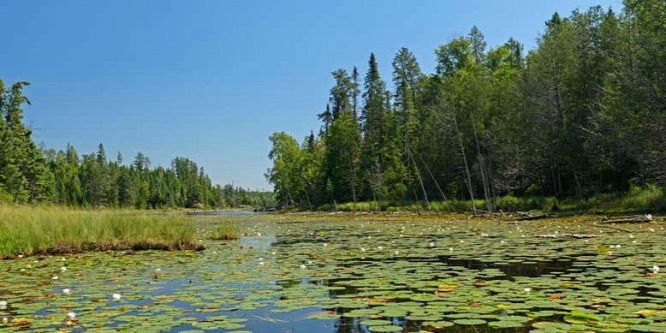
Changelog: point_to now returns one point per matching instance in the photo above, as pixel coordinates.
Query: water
(288, 270)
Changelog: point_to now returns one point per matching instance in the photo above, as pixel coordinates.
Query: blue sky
(211, 80)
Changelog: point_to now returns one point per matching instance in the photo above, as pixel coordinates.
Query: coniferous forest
(583, 113)
(30, 174)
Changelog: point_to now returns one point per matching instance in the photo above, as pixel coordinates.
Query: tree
(287, 160)
(343, 143)
(406, 71)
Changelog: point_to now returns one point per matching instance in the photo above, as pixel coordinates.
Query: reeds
(31, 230)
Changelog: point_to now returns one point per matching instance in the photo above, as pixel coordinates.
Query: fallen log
(633, 219)
(610, 227)
(534, 217)
(574, 236)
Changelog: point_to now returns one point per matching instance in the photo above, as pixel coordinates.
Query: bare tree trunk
(353, 180)
(418, 175)
(307, 196)
(464, 156)
(482, 167)
(433, 178)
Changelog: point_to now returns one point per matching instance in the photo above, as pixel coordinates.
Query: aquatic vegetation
(226, 231)
(53, 230)
(287, 279)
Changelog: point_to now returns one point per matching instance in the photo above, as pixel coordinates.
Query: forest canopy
(583, 113)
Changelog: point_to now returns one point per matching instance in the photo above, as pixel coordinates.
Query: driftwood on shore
(534, 217)
(610, 227)
(527, 216)
(565, 235)
(632, 219)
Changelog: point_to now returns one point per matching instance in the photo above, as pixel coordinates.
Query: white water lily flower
(483, 234)
(431, 244)
(67, 291)
(362, 249)
(63, 269)
(116, 297)
(396, 252)
(5, 320)
(71, 315)
(3, 305)
(527, 289)
(631, 236)
(310, 262)
(55, 277)
(655, 269)
(451, 249)
(157, 270)
(302, 266)
(20, 256)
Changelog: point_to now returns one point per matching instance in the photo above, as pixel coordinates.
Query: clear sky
(212, 79)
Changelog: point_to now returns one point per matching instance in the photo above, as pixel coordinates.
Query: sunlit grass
(226, 231)
(28, 230)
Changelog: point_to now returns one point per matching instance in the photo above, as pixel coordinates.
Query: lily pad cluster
(367, 274)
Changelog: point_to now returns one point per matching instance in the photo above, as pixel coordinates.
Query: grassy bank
(55, 230)
(646, 199)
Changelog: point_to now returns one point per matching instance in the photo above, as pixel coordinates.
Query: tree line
(581, 114)
(31, 174)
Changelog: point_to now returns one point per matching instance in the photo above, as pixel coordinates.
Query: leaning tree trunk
(464, 156)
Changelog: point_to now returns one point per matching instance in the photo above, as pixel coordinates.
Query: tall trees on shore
(29, 174)
(582, 113)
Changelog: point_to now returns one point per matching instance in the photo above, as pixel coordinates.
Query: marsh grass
(31, 230)
(226, 231)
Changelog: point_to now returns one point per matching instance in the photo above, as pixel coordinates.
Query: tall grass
(32, 230)
(226, 230)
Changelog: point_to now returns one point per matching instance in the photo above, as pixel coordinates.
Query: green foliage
(640, 200)
(580, 115)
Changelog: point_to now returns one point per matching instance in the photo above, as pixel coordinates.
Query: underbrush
(648, 198)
